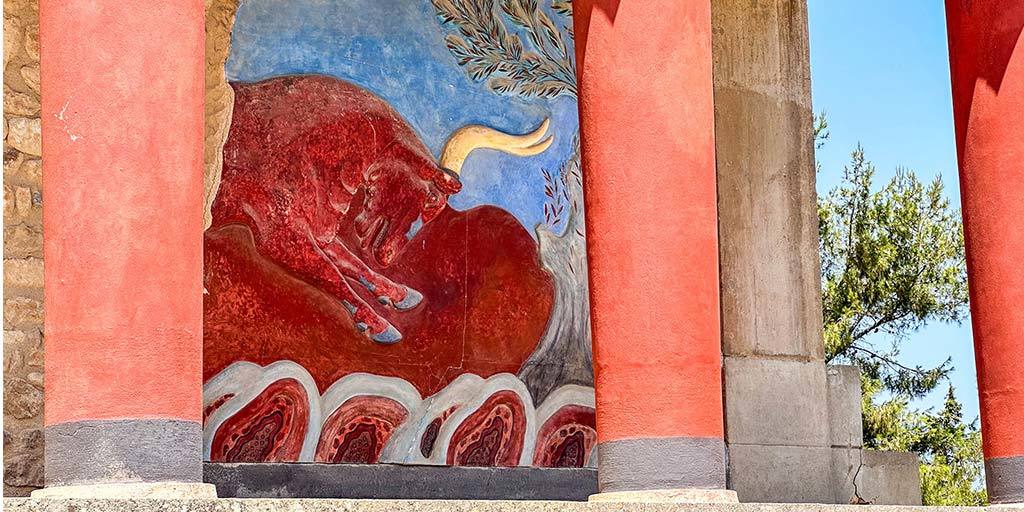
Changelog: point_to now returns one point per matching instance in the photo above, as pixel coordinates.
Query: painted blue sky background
(880, 71)
(395, 48)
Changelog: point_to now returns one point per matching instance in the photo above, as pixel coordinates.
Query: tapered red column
(986, 49)
(122, 114)
(647, 121)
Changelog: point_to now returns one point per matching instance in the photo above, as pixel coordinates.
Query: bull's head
(403, 190)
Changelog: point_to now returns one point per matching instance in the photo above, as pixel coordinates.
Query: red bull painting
(395, 270)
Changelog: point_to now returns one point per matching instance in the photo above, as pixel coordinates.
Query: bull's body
(327, 175)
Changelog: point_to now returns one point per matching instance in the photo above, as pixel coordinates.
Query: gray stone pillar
(775, 395)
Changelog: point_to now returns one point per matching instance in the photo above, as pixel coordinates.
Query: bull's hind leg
(388, 292)
(316, 267)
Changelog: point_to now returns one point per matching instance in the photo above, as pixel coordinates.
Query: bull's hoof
(411, 300)
(387, 336)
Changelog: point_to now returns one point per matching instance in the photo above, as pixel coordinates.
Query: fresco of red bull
(395, 270)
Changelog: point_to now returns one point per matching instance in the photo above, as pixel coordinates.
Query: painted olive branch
(487, 49)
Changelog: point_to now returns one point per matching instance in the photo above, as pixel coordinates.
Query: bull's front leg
(317, 268)
(388, 292)
(367, 320)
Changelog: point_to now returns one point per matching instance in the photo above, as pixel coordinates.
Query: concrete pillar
(647, 122)
(774, 378)
(986, 48)
(123, 152)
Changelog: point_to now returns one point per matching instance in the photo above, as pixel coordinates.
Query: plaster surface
(986, 51)
(123, 451)
(123, 276)
(661, 463)
(652, 222)
(1005, 479)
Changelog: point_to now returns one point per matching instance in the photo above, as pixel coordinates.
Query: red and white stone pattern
(275, 413)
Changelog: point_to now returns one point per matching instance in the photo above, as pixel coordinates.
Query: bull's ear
(447, 181)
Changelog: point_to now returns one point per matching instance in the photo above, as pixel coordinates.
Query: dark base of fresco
(118, 451)
(662, 463)
(392, 481)
(1005, 479)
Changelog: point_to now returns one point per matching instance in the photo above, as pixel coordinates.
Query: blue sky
(880, 71)
(396, 49)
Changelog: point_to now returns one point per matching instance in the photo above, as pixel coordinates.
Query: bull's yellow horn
(474, 136)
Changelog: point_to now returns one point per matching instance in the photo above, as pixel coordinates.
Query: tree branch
(889, 361)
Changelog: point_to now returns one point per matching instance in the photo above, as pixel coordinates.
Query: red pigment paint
(492, 436)
(270, 428)
(566, 439)
(647, 122)
(987, 67)
(357, 431)
(271, 294)
(123, 149)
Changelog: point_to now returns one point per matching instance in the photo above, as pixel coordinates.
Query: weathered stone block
(14, 356)
(23, 458)
(768, 221)
(24, 135)
(844, 406)
(31, 171)
(882, 478)
(20, 170)
(22, 205)
(22, 349)
(30, 74)
(24, 274)
(19, 104)
(780, 474)
(32, 41)
(774, 402)
(23, 313)
(23, 470)
(21, 241)
(12, 38)
(22, 400)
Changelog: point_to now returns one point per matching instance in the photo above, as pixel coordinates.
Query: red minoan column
(647, 122)
(986, 49)
(123, 155)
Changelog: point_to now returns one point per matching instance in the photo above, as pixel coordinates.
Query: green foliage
(892, 260)
(821, 133)
(542, 65)
(949, 449)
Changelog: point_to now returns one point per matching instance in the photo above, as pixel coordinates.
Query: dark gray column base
(661, 463)
(1004, 478)
(394, 481)
(123, 451)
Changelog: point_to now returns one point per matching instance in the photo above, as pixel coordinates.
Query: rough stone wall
(23, 252)
(220, 98)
